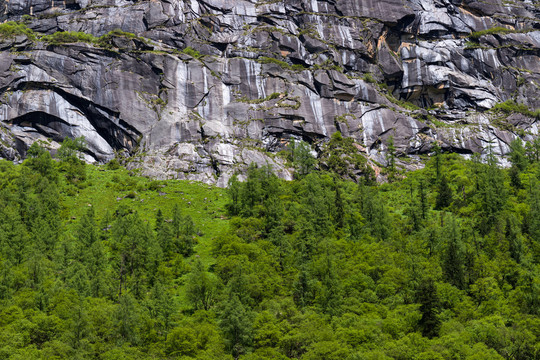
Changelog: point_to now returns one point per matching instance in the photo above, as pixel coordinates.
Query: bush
(368, 78)
(403, 103)
(105, 40)
(475, 36)
(114, 164)
(131, 195)
(68, 37)
(154, 185)
(12, 29)
(283, 64)
(192, 52)
(512, 107)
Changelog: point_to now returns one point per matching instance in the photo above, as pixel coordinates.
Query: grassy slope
(107, 190)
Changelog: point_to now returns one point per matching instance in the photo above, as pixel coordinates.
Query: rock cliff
(196, 89)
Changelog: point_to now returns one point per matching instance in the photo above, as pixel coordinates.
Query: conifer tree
(492, 193)
(515, 244)
(429, 308)
(159, 220)
(532, 150)
(423, 199)
(329, 297)
(161, 305)
(127, 319)
(234, 191)
(391, 158)
(444, 195)
(236, 323)
(438, 161)
(517, 154)
(14, 240)
(453, 257)
(340, 211)
(533, 218)
(87, 230)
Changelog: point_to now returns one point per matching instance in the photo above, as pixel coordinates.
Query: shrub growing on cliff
(475, 36)
(368, 77)
(105, 40)
(11, 29)
(511, 107)
(68, 37)
(192, 52)
(283, 64)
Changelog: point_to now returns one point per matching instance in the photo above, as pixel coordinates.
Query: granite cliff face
(204, 87)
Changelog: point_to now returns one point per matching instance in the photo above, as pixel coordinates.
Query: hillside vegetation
(97, 263)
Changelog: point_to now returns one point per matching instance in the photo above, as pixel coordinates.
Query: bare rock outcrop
(199, 89)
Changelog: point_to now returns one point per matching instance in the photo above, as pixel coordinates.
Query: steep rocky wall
(208, 86)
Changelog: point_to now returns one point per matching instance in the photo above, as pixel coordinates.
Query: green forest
(440, 263)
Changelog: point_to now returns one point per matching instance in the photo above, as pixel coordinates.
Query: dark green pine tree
(316, 208)
(532, 150)
(127, 319)
(429, 308)
(87, 230)
(183, 229)
(40, 161)
(492, 193)
(130, 241)
(515, 178)
(339, 206)
(533, 218)
(519, 162)
(234, 190)
(303, 289)
(77, 278)
(530, 290)
(97, 265)
(438, 162)
(159, 220)
(14, 240)
(252, 191)
(164, 246)
(414, 211)
(423, 199)
(79, 327)
(165, 240)
(453, 257)
(374, 212)
(273, 221)
(391, 158)
(329, 296)
(444, 195)
(517, 154)
(237, 325)
(46, 217)
(187, 239)
(515, 244)
(161, 306)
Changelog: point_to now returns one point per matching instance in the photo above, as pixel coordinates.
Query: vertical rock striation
(198, 89)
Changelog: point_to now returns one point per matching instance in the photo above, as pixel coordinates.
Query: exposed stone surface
(256, 74)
